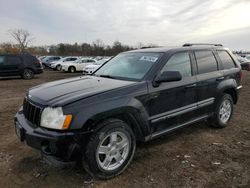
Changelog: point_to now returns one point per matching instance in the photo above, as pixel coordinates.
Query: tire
(72, 69)
(109, 150)
(223, 112)
(58, 67)
(27, 74)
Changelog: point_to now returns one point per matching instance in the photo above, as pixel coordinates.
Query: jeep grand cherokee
(136, 96)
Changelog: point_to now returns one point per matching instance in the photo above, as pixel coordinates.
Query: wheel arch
(229, 87)
(134, 120)
(71, 66)
(232, 92)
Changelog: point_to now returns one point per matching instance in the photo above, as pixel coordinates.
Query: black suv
(136, 96)
(24, 65)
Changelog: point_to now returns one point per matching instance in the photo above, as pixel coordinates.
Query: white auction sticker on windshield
(148, 58)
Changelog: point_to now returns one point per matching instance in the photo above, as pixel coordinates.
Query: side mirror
(168, 76)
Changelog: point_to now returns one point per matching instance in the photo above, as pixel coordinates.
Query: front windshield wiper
(106, 76)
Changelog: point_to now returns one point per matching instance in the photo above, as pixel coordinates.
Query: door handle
(190, 86)
(220, 78)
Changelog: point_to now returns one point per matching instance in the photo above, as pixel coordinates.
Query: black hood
(62, 92)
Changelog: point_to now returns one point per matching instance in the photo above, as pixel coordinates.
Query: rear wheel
(28, 74)
(72, 69)
(223, 113)
(110, 150)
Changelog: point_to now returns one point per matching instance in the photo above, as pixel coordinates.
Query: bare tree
(22, 36)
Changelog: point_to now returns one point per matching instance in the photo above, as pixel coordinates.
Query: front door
(2, 64)
(172, 100)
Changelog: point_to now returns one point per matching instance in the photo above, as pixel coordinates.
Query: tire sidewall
(225, 97)
(72, 68)
(90, 156)
(31, 72)
(58, 67)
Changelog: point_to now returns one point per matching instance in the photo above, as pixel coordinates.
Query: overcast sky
(161, 22)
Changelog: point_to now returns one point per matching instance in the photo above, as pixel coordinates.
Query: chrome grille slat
(31, 112)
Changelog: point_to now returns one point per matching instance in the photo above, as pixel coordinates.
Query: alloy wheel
(112, 151)
(225, 111)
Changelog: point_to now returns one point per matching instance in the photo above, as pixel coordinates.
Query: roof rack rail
(192, 44)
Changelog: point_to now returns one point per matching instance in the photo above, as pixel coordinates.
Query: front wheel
(58, 67)
(110, 150)
(223, 112)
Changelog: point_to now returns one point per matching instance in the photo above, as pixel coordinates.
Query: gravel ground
(195, 156)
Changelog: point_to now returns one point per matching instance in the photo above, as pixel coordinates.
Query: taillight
(248, 69)
(39, 62)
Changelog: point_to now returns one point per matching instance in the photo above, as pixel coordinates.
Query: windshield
(129, 66)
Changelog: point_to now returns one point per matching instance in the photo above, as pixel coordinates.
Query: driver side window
(179, 62)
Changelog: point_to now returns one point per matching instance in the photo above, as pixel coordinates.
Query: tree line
(83, 49)
(24, 39)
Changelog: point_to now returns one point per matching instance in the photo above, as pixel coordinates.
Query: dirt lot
(196, 156)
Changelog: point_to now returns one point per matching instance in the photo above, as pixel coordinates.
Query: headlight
(54, 118)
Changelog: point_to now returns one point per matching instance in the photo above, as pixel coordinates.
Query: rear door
(208, 77)
(13, 65)
(230, 69)
(81, 64)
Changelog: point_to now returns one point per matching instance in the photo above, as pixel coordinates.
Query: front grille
(31, 112)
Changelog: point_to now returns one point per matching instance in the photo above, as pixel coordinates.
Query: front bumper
(52, 66)
(64, 145)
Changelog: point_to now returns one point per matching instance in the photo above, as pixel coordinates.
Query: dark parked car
(24, 65)
(48, 59)
(244, 62)
(245, 65)
(135, 97)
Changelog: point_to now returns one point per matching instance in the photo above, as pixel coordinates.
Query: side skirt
(170, 129)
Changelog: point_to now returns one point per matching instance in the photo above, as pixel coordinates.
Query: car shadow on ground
(36, 167)
(15, 78)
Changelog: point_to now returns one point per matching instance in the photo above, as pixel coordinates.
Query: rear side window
(179, 62)
(14, 60)
(2, 58)
(206, 61)
(226, 60)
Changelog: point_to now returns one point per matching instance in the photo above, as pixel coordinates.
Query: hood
(62, 92)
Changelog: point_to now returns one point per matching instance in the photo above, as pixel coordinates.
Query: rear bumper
(64, 145)
(39, 70)
(238, 89)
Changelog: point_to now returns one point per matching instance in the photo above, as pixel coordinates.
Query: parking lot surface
(196, 156)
